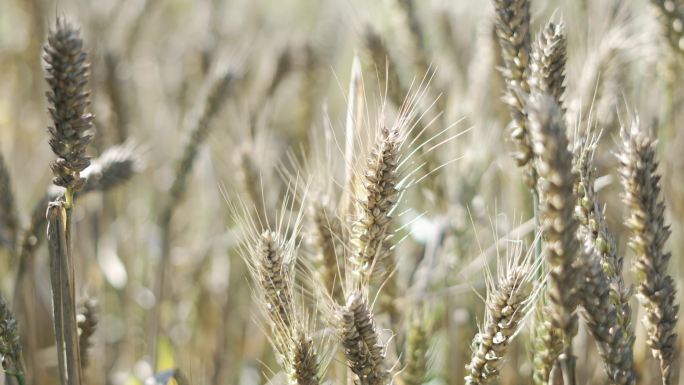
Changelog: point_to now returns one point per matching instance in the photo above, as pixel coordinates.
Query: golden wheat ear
(656, 289)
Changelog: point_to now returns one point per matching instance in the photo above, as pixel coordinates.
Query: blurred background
(151, 65)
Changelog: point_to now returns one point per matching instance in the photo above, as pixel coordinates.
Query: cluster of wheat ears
(325, 264)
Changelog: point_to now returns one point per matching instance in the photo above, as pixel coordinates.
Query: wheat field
(341, 192)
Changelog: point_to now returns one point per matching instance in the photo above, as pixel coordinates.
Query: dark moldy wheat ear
(67, 76)
(646, 220)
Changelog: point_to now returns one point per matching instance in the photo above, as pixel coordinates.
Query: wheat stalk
(63, 289)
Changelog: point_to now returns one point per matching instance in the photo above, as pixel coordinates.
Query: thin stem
(537, 229)
(567, 365)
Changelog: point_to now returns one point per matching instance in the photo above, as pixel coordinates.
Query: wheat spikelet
(547, 67)
(556, 209)
(68, 98)
(9, 224)
(513, 30)
(508, 301)
(639, 175)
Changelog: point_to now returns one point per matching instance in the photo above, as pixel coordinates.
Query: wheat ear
(513, 30)
(360, 340)
(68, 98)
(547, 344)
(9, 224)
(271, 263)
(556, 213)
(87, 323)
(377, 196)
(547, 67)
(329, 237)
(646, 220)
(672, 20)
(604, 294)
(510, 296)
(70, 134)
(10, 346)
(417, 350)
